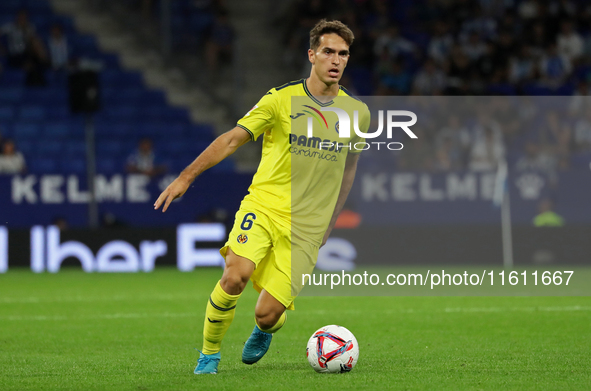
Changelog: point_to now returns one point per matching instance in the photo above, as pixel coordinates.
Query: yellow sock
(277, 326)
(219, 314)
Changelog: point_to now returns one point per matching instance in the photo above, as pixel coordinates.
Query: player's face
(330, 58)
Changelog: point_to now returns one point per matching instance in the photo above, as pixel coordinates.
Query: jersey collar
(313, 98)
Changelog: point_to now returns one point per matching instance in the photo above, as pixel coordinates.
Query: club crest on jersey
(242, 238)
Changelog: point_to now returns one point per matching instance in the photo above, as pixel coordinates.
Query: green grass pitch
(77, 331)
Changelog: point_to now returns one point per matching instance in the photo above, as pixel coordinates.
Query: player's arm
(348, 178)
(218, 150)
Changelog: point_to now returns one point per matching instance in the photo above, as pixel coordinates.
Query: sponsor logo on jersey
(315, 142)
(317, 115)
(314, 113)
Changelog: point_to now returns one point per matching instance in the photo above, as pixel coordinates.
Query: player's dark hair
(330, 27)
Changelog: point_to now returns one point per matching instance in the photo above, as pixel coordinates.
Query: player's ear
(311, 56)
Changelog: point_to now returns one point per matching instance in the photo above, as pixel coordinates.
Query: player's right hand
(175, 190)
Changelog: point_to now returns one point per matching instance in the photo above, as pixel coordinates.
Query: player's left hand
(175, 190)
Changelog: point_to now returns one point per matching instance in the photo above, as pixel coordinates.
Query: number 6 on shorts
(248, 221)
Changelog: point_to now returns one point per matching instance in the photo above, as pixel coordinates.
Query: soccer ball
(332, 349)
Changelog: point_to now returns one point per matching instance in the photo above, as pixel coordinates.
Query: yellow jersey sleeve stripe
(249, 132)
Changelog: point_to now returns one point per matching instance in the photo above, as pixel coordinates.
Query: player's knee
(266, 319)
(233, 283)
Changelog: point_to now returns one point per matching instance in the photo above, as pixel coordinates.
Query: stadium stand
(192, 22)
(463, 48)
(52, 138)
(511, 47)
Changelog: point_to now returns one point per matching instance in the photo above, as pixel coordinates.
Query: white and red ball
(332, 349)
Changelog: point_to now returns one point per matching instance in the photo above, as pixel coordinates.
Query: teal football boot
(257, 345)
(208, 363)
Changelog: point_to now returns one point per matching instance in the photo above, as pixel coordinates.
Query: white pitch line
(86, 299)
(94, 317)
(457, 309)
(520, 309)
(314, 312)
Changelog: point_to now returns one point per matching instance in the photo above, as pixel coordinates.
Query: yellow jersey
(299, 177)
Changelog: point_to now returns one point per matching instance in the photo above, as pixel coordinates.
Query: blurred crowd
(476, 48)
(39, 52)
(201, 25)
(530, 133)
(21, 47)
(12, 161)
(417, 48)
(454, 47)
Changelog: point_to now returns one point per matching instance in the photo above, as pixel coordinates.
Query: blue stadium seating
(67, 24)
(46, 96)
(152, 98)
(42, 21)
(50, 148)
(179, 164)
(12, 78)
(109, 148)
(362, 80)
(200, 22)
(6, 113)
(123, 130)
(226, 165)
(58, 112)
(566, 89)
(201, 132)
(536, 89)
(56, 130)
(106, 165)
(26, 147)
(75, 148)
(26, 130)
(9, 7)
(177, 130)
(128, 96)
(110, 61)
(52, 138)
(84, 44)
(120, 79)
(6, 129)
(10, 95)
(164, 113)
(175, 147)
(38, 165)
(102, 128)
(190, 24)
(151, 129)
(502, 89)
(121, 113)
(76, 165)
(38, 6)
(32, 113)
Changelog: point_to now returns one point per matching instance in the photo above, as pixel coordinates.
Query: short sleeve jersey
(299, 177)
